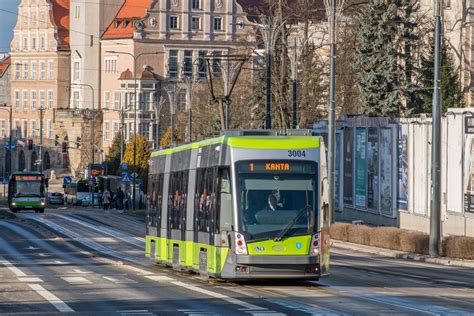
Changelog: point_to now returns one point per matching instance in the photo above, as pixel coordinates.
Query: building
(40, 72)
(458, 30)
(168, 40)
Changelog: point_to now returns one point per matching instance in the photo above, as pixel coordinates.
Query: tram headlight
(240, 244)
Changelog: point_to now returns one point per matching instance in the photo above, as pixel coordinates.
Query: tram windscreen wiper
(292, 223)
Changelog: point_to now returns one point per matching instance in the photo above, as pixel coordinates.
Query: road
(92, 262)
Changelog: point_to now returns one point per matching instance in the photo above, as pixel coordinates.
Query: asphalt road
(92, 262)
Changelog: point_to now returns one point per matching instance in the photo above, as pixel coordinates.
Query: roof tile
(60, 18)
(122, 25)
(4, 64)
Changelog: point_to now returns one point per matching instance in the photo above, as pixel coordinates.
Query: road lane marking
(30, 279)
(76, 280)
(119, 279)
(12, 268)
(229, 299)
(50, 297)
(312, 309)
(141, 271)
(159, 278)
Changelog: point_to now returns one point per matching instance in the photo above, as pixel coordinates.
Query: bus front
(277, 214)
(27, 191)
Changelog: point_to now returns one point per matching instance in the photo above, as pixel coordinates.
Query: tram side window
(224, 217)
(177, 198)
(156, 198)
(205, 198)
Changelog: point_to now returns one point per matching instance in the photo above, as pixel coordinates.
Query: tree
(113, 157)
(451, 94)
(384, 54)
(142, 154)
(166, 139)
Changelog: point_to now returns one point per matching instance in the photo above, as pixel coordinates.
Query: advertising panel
(348, 152)
(403, 167)
(469, 173)
(386, 171)
(373, 169)
(337, 170)
(361, 168)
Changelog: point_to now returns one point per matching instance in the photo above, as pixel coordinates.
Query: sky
(7, 22)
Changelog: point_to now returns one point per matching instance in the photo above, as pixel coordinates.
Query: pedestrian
(106, 199)
(119, 198)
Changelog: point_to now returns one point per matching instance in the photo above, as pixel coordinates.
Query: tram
(241, 206)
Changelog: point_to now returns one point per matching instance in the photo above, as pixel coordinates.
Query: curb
(337, 244)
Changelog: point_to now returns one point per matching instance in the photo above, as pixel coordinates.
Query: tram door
(177, 200)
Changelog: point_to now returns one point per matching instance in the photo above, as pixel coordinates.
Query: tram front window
(274, 204)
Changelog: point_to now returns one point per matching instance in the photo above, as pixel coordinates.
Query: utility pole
(294, 72)
(435, 218)
(40, 166)
(268, 48)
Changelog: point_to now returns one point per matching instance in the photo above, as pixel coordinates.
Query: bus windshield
(276, 200)
(29, 188)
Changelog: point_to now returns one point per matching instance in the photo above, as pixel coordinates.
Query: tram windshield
(276, 200)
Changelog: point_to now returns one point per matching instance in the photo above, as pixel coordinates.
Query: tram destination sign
(276, 167)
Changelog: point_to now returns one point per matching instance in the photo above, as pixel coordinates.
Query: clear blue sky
(7, 22)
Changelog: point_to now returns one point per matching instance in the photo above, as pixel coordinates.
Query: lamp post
(135, 58)
(9, 109)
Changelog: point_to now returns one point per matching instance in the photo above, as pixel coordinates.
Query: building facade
(162, 42)
(40, 67)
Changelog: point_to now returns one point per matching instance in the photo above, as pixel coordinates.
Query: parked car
(55, 198)
(86, 201)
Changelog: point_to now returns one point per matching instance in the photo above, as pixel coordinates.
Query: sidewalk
(336, 244)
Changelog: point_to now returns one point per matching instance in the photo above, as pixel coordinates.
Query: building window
(116, 128)
(42, 97)
(110, 65)
(33, 128)
(25, 100)
(33, 70)
(174, 23)
(33, 99)
(25, 43)
(217, 24)
(49, 129)
(42, 70)
(75, 99)
(196, 4)
(50, 69)
(33, 42)
(76, 68)
(117, 100)
(50, 99)
(42, 42)
(202, 64)
(188, 62)
(173, 64)
(106, 99)
(17, 100)
(447, 4)
(25, 71)
(195, 23)
(106, 130)
(216, 62)
(2, 128)
(77, 13)
(25, 128)
(17, 131)
(17, 71)
(145, 101)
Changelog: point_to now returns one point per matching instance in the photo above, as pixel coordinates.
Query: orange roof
(4, 64)
(60, 18)
(122, 25)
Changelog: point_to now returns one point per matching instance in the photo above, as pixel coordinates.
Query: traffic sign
(67, 180)
(124, 167)
(5, 180)
(125, 177)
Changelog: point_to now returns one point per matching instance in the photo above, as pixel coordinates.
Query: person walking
(106, 199)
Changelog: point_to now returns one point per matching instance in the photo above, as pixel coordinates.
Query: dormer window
(116, 23)
(124, 24)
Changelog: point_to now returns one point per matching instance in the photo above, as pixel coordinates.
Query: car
(86, 201)
(55, 198)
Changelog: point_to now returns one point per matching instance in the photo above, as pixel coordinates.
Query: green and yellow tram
(26, 191)
(240, 207)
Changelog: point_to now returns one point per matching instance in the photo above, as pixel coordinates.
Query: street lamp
(92, 134)
(135, 58)
(9, 109)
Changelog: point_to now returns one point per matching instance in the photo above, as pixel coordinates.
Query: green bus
(27, 191)
(240, 207)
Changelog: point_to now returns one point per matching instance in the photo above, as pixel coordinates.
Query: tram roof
(249, 142)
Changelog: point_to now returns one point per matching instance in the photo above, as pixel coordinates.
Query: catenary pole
(332, 114)
(435, 218)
